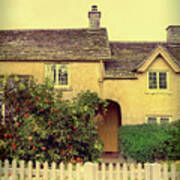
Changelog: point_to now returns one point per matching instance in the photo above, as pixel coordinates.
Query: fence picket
(89, 170)
(118, 173)
(110, 172)
(165, 172)
(53, 170)
(21, 170)
(103, 171)
(37, 170)
(61, 171)
(30, 170)
(173, 171)
(70, 171)
(132, 172)
(125, 173)
(147, 171)
(6, 170)
(14, 170)
(156, 171)
(139, 170)
(96, 171)
(78, 171)
(45, 171)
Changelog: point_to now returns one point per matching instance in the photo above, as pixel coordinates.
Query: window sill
(68, 88)
(158, 92)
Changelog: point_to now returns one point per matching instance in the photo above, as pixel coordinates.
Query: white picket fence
(88, 171)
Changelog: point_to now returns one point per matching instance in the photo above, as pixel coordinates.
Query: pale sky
(125, 20)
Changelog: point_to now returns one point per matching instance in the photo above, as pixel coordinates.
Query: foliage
(40, 125)
(147, 142)
(175, 142)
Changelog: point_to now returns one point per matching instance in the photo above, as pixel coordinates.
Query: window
(158, 119)
(157, 80)
(5, 109)
(152, 119)
(2, 106)
(58, 73)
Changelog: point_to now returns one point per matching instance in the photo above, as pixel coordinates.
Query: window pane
(152, 80)
(152, 120)
(163, 80)
(53, 69)
(63, 75)
(164, 120)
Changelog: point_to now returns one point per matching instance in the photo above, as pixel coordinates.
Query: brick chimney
(94, 17)
(173, 34)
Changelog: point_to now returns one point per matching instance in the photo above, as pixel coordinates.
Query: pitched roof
(127, 56)
(67, 44)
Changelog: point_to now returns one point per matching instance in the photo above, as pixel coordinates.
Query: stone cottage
(141, 80)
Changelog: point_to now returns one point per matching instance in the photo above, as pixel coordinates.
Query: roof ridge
(55, 29)
(140, 42)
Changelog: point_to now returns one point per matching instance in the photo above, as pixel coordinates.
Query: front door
(108, 128)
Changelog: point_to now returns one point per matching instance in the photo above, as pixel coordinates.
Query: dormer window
(157, 80)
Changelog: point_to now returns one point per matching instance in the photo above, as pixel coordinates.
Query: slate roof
(67, 44)
(127, 56)
(123, 58)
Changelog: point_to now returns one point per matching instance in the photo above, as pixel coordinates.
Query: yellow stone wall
(137, 102)
(23, 68)
(83, 75)
(132, 95)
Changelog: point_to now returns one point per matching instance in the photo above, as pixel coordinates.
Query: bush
(147, 142)
(40, 125)
(174, 154)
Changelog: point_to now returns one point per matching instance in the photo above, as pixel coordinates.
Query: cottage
(141, 80)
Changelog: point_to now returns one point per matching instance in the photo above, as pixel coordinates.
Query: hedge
(150, 142)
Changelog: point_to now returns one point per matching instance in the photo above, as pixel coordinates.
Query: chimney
(94, 17)
(173, 34)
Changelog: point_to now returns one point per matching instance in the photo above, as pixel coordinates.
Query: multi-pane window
(158, 119)
(162, 80)
(58, 73)
(164, 120)
(152, 80)
(157, 80)
(152, 119)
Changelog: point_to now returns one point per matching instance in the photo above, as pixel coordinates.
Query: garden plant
(41, 125)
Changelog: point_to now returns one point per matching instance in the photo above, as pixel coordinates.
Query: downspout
(101, 78)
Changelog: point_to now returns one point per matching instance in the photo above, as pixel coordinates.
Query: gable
(159, 52)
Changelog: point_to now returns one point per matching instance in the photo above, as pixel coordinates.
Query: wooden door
(108, 128)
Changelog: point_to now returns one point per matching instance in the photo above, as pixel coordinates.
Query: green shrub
(41, 125)
(174, 154)
(146, 142)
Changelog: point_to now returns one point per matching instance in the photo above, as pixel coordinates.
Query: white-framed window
(158, 80)
(158, 119)
(58, 73)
